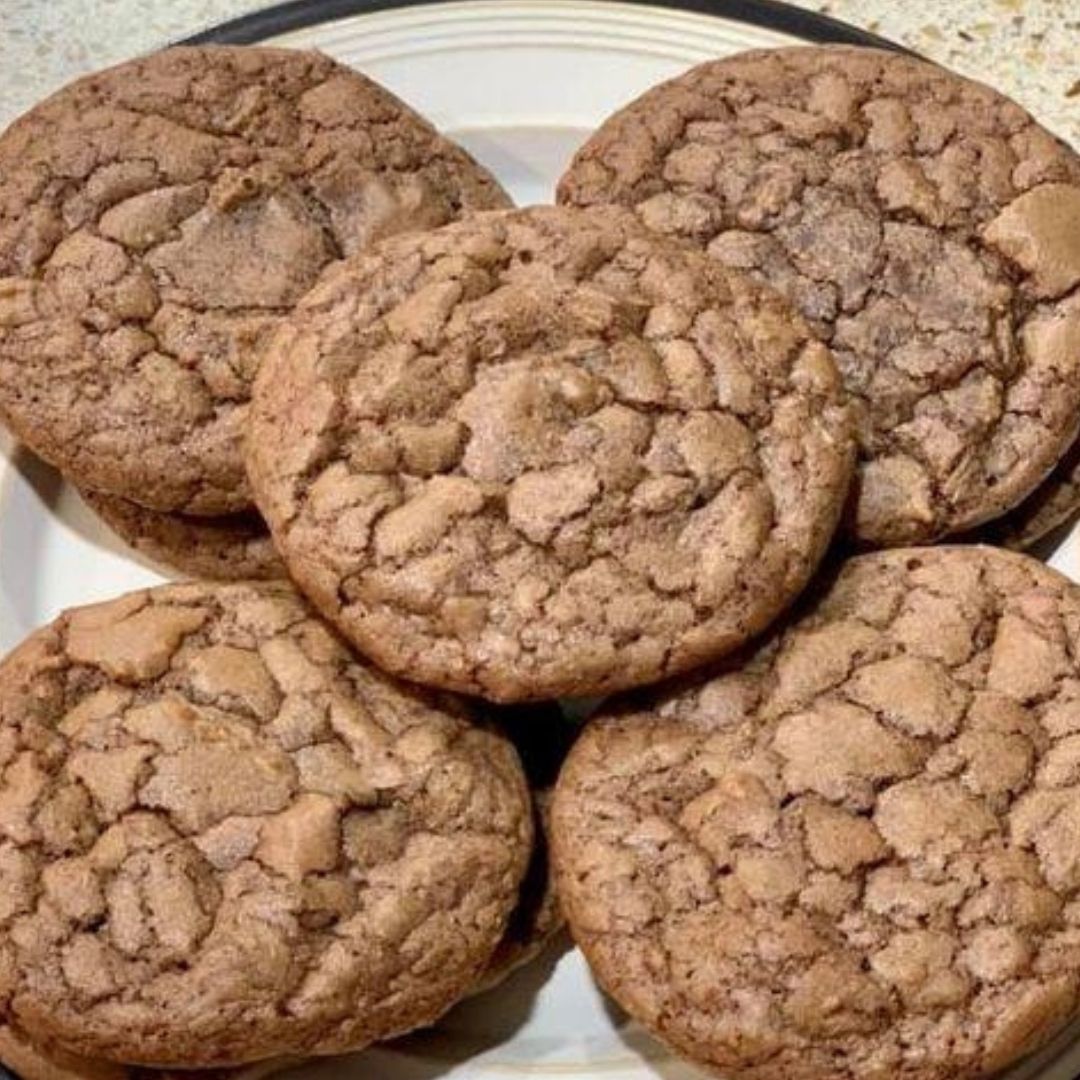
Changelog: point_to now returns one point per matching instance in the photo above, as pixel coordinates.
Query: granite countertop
(1027, 48)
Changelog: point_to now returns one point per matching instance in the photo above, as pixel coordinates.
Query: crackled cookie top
(223, 838)
(235, 547)
(157, 218)
(856, 857)
(925, 225)
(546, 452)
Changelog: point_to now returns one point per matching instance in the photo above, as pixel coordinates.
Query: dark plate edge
(291, 15)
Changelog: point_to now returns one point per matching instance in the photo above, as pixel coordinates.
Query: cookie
(30, 1061)
(1052, 504)
(855, 856)
(547, 453)
(157, 219)
(225, 839)
(232, 548)
(926, 226)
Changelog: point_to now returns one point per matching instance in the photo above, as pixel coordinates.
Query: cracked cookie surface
(157, 219)
(236, 547)
(546, 452)
(224, 838)
(856, 856)
(926, 226)
(541, 738)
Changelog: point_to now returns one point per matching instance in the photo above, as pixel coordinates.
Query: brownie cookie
(31, 1061)
(225, 839)
(541, 739)
(156, 220)
(236, 547)
(1052, 504)
(926, 226)
(857, 856)
(547, 452)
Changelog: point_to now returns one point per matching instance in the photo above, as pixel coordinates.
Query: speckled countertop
(1027, 48)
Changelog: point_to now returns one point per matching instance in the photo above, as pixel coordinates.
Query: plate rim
(292, 15)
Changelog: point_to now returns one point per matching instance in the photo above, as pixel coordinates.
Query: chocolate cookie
(30, 1061)
(232, 548)
(224, 839)
(546, 452)
(156, 220)
(856, 856)
(926, 225)
(1050, 506)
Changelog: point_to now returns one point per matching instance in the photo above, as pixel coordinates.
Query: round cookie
(857, 856)
(232, 548)
(225, 839)
(926, 225)
(547, 453)
(156, 220)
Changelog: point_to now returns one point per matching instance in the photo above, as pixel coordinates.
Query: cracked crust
(855, 857)
(233, 548)
(157, 219)
(546, 452)
(541, 737)
(926, 226)
(223, 838)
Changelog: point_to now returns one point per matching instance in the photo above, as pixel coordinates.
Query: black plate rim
(282, 18)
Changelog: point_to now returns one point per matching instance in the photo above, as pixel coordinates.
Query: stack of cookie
(157, 221)
(791, 303)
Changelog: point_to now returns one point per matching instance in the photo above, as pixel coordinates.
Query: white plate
(521, 85)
